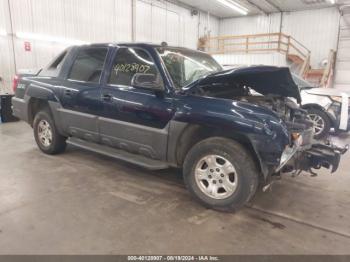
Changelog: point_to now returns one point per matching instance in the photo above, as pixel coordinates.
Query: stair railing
(267, 43)
(305, 66)
(329, 69)
(256, 43)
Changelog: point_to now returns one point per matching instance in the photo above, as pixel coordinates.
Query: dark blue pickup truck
(158, 106)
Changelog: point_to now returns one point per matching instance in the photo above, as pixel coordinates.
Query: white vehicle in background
(327, 108)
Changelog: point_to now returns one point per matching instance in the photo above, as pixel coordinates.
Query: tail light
(15, 83)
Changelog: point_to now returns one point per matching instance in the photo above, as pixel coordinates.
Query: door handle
(106, 97)
(68, 92)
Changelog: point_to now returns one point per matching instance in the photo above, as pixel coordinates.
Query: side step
(119, 154)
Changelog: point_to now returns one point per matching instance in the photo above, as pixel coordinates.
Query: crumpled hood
(263, 79)
(326, 92)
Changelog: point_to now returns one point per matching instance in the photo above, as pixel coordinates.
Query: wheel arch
(192, 134)
(34, 106)
(38, 97)
(333, 121)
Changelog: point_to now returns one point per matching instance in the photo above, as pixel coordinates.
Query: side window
(128, 62)
(88, 65)
(57, 63)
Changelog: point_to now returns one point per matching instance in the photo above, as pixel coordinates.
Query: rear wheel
(46, 134)
(221, 174)
(321, 121)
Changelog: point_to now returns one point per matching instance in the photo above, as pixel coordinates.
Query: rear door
(135, 119)
(81, 94)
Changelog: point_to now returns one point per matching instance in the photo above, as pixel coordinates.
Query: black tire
(327, 122)
(58, 142)
(245, 167)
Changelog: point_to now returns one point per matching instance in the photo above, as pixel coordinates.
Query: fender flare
(41, 92)
(181, 130)
(49, 97)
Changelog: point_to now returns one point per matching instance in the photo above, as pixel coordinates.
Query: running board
(119, 154)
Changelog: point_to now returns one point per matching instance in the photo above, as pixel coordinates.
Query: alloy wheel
(44, 133)
(318, 122)
(216, 177)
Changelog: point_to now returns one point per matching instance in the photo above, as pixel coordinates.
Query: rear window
(88, 65)
(57, 63)
(54, 68)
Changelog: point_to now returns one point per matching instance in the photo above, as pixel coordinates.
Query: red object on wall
(27, 47)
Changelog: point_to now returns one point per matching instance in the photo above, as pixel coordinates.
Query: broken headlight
(337, 99)
(290, 151)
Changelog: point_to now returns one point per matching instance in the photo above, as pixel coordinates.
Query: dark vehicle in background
(158, 107)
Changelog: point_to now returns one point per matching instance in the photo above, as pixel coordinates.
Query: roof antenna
(164, 44)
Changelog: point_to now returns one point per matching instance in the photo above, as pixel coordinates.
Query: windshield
(187, 66)
(301, 83)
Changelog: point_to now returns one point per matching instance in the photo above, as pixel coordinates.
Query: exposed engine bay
(289, 111)
(303, 153)
(294, 117)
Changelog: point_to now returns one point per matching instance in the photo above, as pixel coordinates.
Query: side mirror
(147, 81)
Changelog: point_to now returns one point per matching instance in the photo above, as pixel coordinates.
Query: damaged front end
(321, 155)
(298, 158)
(274, 88)
(304, 153)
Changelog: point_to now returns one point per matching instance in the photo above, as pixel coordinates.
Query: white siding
(258, 24)
(250, 25)
(122, 22)
(208, 24)
(342, 69)
(158, 30)
(6, 55)
(92, 21)
(276, 59)
(316, 29)
(158, 21)
(144, 21)
(86, 20)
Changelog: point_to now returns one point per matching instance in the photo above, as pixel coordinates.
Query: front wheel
(46, 134)
(221, 174)
(321, 122)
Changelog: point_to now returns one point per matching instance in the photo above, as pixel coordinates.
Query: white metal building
(49, 26)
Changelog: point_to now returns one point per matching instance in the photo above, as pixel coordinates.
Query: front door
(81, 94)
(135, 119)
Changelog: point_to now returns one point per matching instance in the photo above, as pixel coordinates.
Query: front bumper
(321, 155)
(335, 114)
(303, 157)
(340, 113)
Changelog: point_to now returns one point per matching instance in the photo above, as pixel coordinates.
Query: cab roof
(131, 44)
